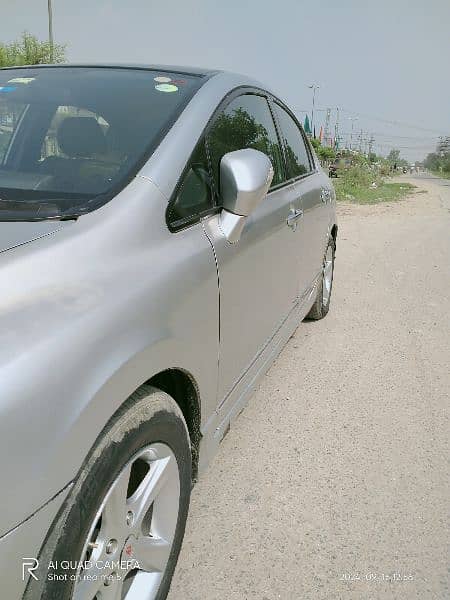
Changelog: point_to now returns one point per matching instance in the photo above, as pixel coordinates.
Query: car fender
(87, 315)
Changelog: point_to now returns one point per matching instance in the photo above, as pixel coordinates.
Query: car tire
(146, 438)
(321, 305)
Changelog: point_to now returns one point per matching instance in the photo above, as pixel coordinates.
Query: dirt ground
(334, 481)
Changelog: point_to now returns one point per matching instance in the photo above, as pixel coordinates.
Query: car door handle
(295, 214)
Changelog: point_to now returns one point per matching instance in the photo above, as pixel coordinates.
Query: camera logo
(28, 566)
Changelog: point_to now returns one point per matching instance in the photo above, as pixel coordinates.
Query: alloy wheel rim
(327, 276)
(130, 539)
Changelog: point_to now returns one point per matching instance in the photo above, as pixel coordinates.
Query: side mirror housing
(245, 178)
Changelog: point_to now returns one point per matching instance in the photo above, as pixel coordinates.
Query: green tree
(326, 153)
(28, 50)
(432, 161)
(438, 162)
(393, 156)
(315, 143)
(240, 130)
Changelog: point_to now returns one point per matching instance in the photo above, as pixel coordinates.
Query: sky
(384, 63)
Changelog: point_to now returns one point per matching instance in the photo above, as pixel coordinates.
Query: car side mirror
(245, 178)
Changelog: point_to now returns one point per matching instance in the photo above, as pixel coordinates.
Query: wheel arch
(182, 387)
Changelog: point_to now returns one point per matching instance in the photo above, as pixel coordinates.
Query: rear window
(72, 137)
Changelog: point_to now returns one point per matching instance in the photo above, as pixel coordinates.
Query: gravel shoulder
(338, 467)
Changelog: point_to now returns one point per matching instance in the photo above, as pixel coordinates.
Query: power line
(380, 119)
(389, 140)
(404, 147)
(298, 109)
(403, 137)
(390, 122)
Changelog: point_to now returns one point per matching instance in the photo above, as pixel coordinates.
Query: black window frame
(181, 224)
(273, 100)
(262, 94)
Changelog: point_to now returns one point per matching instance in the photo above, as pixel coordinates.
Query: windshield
(72, 137)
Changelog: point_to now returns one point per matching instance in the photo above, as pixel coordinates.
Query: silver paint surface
(92, 309)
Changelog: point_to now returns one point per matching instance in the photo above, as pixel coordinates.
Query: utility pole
(360, 140)
(50, 27)
(352, 119)
(371, 141)
(336, 129)
(313, 87)
(327, 134)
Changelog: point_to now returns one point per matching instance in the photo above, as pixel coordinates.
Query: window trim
(179, 224)
(262, 94)
(312, 164)
(185, 222)
(241, 90)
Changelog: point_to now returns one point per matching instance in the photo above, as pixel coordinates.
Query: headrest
(81, 137)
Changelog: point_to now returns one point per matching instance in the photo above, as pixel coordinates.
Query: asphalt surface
(334, 481)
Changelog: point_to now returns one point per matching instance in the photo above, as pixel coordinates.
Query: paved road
(338, 467)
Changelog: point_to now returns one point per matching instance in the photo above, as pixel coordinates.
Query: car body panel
(24, 542)
(90, 310)
(258, 280)
(315, 224)
(232, 405)
(97, 291)
(14, 234)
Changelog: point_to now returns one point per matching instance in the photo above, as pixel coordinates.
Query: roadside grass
(362, 186)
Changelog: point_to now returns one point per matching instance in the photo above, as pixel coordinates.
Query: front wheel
(120, 531)
(322, 302)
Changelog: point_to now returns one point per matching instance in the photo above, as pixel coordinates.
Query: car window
(50, 145)
(9, 119)
(245, 123)
(194, 195)
(297, 159)
(78, 150)
(84, 133)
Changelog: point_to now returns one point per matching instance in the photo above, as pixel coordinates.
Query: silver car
(163, 231)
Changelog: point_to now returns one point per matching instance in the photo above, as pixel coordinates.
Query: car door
(307, 181)
(257, 275)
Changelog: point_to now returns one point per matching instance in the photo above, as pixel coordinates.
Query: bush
(326, 153)
(28, 50)
(439, 163)
(364, 184)
(356, 180)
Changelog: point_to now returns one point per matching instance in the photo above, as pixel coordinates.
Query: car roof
(195, 71)
(233, 79)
